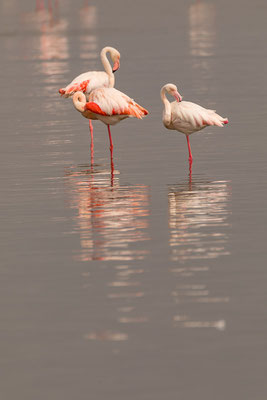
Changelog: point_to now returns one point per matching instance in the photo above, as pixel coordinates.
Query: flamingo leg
(110, 141)
(189, 150)
(91, 132)
(92, 156)
(111, 170)
(190, 172)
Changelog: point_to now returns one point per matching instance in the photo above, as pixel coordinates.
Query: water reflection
(197, 214)
(106, 336)
(112, 219)
(125, 295)
(198, 222)
(88, 40)
(202, 28)
(202, 37)
(88, 15)
(51, 46)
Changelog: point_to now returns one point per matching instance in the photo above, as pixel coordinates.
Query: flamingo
(110, 106)
(91, 80)
(187, 117)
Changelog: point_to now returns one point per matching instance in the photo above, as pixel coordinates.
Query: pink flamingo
(91, 80)
(110, 106)
(187, 117)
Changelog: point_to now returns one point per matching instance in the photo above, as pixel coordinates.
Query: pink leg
(92, 142)
(111, 170)
(91, 132)
(110, 141)
(190, 172)
(189, 150)
(92, 156)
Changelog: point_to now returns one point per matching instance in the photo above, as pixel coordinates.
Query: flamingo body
(88, 81)
(187, 117)
(109, 105)
(85, 83)
(91, 80)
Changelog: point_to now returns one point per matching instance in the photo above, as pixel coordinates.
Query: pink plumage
(109, 105)
(92, 80)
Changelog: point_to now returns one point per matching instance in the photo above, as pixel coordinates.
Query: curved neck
(167, 107)
(107, 66)
(79, 101)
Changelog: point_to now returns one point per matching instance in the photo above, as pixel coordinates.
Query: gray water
(146, 283)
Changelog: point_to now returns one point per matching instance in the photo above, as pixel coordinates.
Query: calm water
(145, 283)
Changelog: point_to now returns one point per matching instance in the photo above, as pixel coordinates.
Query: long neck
(79, 101)
(167, 108)
(107, 66)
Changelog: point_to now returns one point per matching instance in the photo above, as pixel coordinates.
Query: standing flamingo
(91, 80)
(110, 106)
(187, 117)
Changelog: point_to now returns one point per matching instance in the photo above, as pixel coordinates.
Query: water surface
(137, 279)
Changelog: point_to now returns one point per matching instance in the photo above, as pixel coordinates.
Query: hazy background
(148, 284)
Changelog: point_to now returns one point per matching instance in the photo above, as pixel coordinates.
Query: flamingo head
(115, 57)
(172, 90)
(79, 101)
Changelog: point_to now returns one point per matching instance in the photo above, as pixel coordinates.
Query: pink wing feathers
(110, 101)
(86, 83)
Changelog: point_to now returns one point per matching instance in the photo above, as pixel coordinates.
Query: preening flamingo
(91, 80)
(109, 105)
(187, 117)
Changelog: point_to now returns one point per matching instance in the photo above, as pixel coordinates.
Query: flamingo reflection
(51, 46)
(194, 208)
(111, 218)
(202, 28)
(202, 35)
(198, 222)
(88, 15)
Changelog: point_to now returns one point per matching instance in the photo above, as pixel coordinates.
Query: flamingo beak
(178, 96)
(116, 65)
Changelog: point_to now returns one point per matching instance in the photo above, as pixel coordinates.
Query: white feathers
(96, 80)
(92, 80)
(110, 100)
(187, 117)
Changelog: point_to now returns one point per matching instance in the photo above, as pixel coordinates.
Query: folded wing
(110, 101)
(86, 83)
(196, 116)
